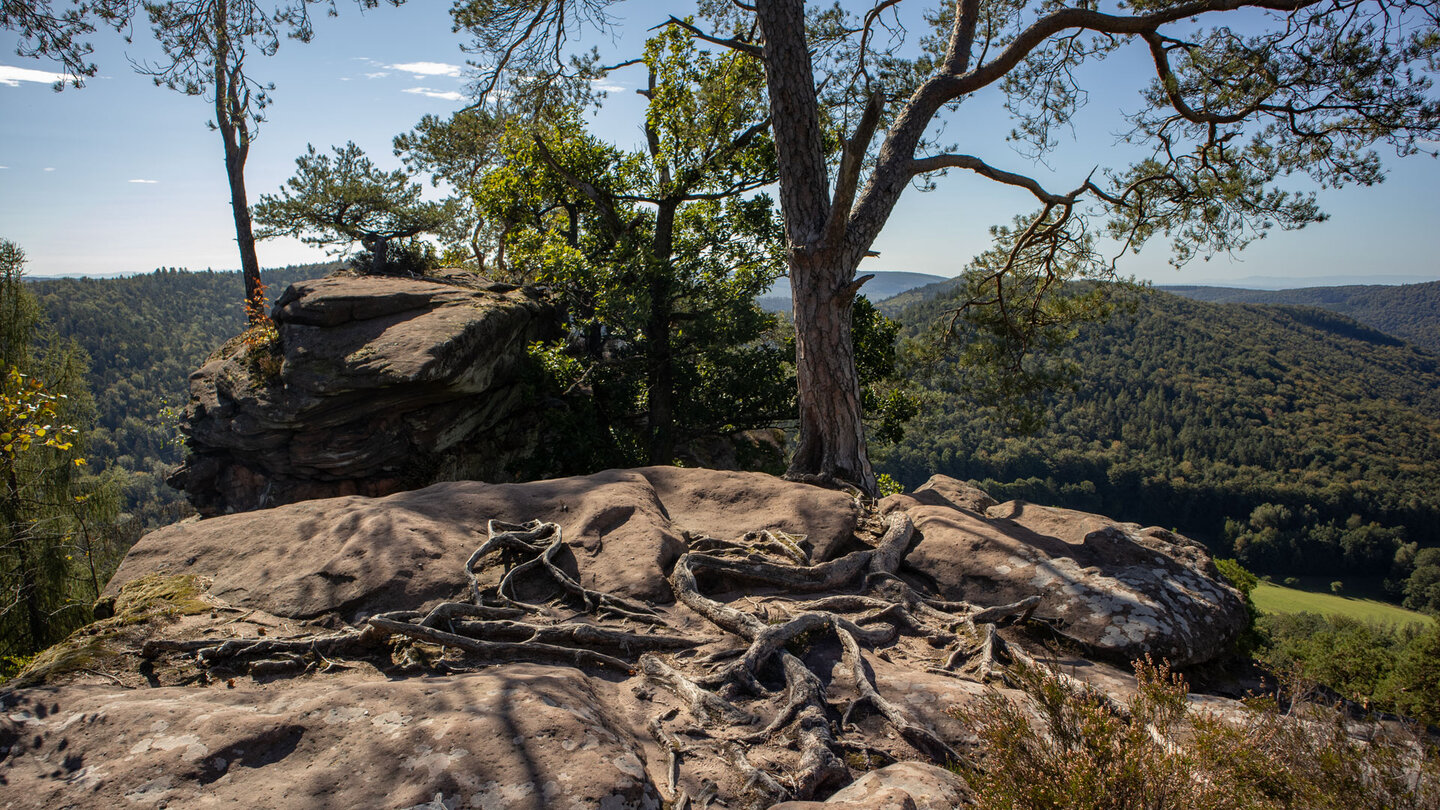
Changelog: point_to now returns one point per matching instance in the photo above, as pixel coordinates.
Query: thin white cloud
(49, 168)
(448, 95)
(12, 76)
(145, 182)
(379, 74)
(4, 167)
(609, 87)
(422, 69)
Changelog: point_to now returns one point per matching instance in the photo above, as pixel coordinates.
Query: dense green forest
(145, 334)
(1294, 438)
(1409, 311)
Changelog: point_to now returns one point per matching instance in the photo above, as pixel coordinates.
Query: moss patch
(102, 643)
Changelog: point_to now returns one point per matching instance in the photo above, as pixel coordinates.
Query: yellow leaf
(79, 462)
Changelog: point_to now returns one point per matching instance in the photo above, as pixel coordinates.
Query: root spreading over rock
(801, 662)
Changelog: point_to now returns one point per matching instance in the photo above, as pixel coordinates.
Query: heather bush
(1158, 751)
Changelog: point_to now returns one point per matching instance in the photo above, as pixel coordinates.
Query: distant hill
(898, 303)
(884, 285)
(145, 334)
(1409, 311)
(1190, 413)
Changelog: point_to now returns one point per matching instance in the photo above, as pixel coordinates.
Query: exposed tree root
(727, 691)
(526, 541)
(922, 739)
(493, 651)
(704, 705)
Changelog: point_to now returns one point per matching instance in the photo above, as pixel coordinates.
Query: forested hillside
(1410, 311)
(144, 335)
(1297, 439)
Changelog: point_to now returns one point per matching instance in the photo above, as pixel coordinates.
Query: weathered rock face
(1119, 589)
(354, 556)
(148, 709)
(383, 384)
(524, 737)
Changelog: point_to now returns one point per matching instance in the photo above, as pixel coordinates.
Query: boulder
(902, 786)
(525, 736)
(377, 384)
(355, 556)
(1121, 590)
(211, 685)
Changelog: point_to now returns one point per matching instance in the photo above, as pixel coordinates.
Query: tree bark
(231, 119)
(832, 437)
(660, 371)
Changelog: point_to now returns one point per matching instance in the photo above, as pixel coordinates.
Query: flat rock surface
(521, 737)
(356, 556)
(724, 504)
(902, 786)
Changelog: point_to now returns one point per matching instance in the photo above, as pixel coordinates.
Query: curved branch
(749, 48)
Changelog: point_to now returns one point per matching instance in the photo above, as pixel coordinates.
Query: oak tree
(661, 250)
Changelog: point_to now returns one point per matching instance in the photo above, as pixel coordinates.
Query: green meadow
(1271, 598)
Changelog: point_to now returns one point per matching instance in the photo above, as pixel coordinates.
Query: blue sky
(122, 176)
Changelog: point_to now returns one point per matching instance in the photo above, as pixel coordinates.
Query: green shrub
(1155, 752)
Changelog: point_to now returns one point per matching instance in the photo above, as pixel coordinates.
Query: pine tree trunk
(231, 118)
(244, 232)
(832, 437)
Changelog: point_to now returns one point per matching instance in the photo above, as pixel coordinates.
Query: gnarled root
(922, 739)
(526, 540)
(704, 705)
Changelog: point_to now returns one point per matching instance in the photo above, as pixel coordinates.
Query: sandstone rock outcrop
(354, 556)
(383, 384)
(1121, 590)
(785, 670)
(523, 737)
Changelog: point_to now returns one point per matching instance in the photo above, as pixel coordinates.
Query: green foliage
(57, 539)
(659, 253)
(1378, 666)
(1244, 582)
(887, 485)
(1202, 416)
(1422, 587)
(886, 397)
(1235, 574)
(1158, 752)
(348, 200)
(145, 334)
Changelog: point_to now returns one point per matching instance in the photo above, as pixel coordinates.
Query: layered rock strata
(375, 385)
